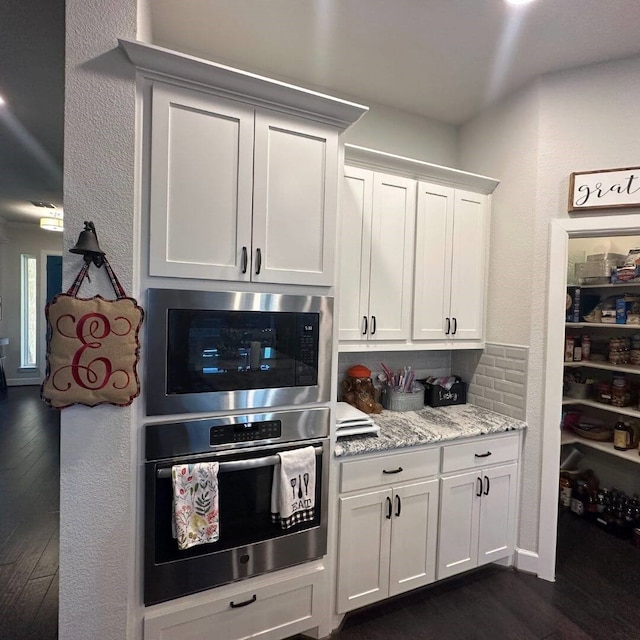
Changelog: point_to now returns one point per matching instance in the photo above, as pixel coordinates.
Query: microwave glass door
(214, 350)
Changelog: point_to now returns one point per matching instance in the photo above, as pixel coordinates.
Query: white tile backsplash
(497, 377)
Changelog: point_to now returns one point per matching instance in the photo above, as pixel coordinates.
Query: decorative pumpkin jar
(358, 390)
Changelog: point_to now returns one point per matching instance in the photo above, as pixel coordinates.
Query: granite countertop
(400, 429)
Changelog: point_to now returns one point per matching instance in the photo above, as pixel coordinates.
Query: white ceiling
(443, 59)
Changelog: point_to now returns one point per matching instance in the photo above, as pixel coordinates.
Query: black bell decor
(88, 247)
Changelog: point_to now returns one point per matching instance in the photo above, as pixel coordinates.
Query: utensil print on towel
(293, 486)
(306, 484)
(299, 487)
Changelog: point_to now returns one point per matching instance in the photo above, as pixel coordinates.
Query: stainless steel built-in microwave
(219, 351)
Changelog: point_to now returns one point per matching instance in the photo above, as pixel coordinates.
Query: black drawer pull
(373, 325)
(366, 325)
(446, 333)
(483, 455)
(398, 470)
(389, 508)
(455, 326)
(398, 505)
(243, 604)
(479, 491)
(486, 491)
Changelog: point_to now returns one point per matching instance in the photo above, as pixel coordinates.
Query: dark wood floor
(596, 595)
(29, 516)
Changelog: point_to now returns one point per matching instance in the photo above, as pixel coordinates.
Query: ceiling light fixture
(52, 224)
(518, 2)
(2, 101)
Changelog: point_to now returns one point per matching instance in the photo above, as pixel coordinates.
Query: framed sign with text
(604, 189)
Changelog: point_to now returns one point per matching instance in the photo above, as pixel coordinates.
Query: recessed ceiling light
(2, 101)
(518, 2)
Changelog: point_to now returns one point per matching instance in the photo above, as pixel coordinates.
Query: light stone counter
(400, 429)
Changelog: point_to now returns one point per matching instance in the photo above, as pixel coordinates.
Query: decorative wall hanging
(604, 189)
(92, 343)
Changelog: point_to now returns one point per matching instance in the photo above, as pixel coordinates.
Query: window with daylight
(29, 311)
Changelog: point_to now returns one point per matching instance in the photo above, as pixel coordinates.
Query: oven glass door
(215, 350)
(244, 504)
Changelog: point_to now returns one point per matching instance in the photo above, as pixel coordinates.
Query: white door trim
(560, 232)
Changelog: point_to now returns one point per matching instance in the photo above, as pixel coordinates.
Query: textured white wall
(96, 486)
(571, 121)
(23, 239)
(405, 134)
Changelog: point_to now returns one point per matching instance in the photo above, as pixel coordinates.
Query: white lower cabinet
(477, 506)
(270, 611)
(387, 542)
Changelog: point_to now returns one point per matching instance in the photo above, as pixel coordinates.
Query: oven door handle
(238, 465)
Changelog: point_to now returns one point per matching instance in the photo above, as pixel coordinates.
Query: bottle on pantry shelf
(577, 349)
(569, 343)
(586, 346)
(579, 497)
(604, 392)
(566, 487)
(622, 436)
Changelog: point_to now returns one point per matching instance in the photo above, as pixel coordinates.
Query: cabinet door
(201, 174)
(363, 549)
(413, 536)
(468, 265)
(294, 201)
(497, 513)
(392, 242)
(355, 253)
(458, 534)
(434, 227)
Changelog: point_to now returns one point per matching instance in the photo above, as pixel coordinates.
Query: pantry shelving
(632, 455)
(625, 411)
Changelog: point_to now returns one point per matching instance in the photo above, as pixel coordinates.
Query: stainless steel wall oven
(227, 351)
(246, 448)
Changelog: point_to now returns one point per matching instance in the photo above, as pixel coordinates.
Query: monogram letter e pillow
(92, 347)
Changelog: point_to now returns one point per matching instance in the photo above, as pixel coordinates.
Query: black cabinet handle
(398, 470)
(398, 505)
(486, 491)
(446, 333)
(243, 604)
(388, 508)
(455, 326)
(479, 491)
(258, 260)
(245, 260)
(373, 325)
(366, 325)
(482, 455)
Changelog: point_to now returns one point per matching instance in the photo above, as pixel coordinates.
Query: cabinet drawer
(285, 605)
(470, 455)
(363, 474)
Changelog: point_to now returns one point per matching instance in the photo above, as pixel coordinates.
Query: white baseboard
(22, 382)
(526, 561)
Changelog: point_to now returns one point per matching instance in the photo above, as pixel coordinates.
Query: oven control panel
(245, 432)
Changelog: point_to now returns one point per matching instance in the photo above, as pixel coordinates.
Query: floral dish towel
(195, 503)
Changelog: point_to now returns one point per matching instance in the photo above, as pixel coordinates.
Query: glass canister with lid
(620, 391)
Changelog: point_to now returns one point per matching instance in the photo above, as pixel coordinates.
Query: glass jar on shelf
(619, 351)
(620, 391)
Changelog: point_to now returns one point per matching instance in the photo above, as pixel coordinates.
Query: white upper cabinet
(239, 193)
(413, 247)
(451, 240)
(241, 171)
(377, 218)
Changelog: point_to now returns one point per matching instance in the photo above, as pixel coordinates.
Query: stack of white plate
(351, 421)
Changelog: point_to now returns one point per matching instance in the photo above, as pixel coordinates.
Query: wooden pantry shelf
(609, 285)
(605, 366)
(568, 437)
